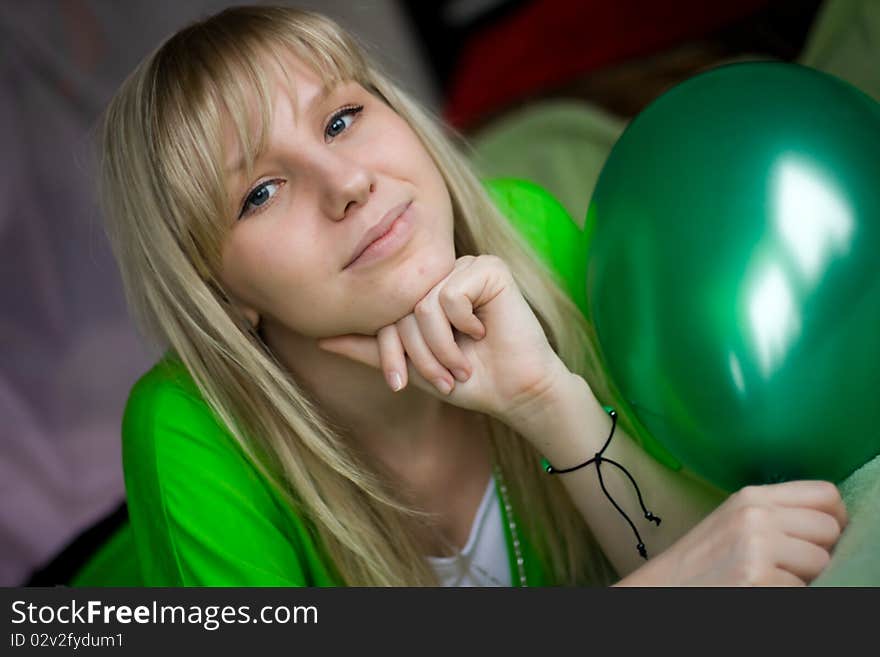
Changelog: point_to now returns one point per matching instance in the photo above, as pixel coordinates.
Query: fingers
(427, 334)
(814, 494)
(802, 559)
(392, 357)
(425, 339)
(459, 309)
(788, 528)
(436, 331)
(361, 348)
(421, 356)
(817, 527)
(388, 351)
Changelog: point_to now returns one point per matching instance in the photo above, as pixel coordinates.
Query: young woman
(366, 363)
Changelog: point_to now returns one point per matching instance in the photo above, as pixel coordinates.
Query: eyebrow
(325, 91)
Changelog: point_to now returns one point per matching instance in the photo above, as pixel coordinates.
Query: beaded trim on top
(511, 525)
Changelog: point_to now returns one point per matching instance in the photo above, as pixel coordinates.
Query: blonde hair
(166, 228)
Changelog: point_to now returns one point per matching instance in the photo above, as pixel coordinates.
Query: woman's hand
(473, 340)
(772, 535)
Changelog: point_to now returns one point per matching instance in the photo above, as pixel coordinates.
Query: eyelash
(247, 200)
(353, 110)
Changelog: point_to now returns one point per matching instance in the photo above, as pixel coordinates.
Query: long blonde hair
(166, 227)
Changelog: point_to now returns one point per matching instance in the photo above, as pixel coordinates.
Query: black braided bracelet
(598, 459)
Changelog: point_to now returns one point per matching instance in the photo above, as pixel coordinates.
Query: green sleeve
(201, 513)
(548, 228)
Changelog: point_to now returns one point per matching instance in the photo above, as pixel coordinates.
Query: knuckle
(828, 490)
(447, 296)
(750, 518)
(831, 527)
(423, 308)
(749, 494)
(493, 261)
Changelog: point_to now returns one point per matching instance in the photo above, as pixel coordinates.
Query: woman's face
(341, 169)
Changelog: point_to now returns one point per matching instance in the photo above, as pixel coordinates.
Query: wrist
(531, 408)
(565, 423)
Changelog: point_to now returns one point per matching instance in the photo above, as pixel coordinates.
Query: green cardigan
(201, 514)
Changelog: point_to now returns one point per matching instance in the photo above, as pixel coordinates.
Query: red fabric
(548, 42)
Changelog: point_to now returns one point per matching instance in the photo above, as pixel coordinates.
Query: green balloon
(733, 274)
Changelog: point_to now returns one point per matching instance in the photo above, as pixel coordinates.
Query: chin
(411, 283)
(422, 273)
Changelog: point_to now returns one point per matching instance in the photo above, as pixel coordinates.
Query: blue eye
(341, 120)
(261, 195)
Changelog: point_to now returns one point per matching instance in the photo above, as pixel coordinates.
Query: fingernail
(443, 386)
(395, 380)
(461, 375)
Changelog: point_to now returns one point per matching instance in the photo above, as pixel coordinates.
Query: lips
(377, 230)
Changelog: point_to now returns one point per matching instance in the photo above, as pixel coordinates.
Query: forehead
(246, 117)
(285, 74)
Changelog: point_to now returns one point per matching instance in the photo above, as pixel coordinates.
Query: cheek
(278, 278)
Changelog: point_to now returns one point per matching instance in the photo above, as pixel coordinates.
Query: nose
(344, 182)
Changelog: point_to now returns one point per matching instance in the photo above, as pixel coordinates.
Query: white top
(484, 560)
